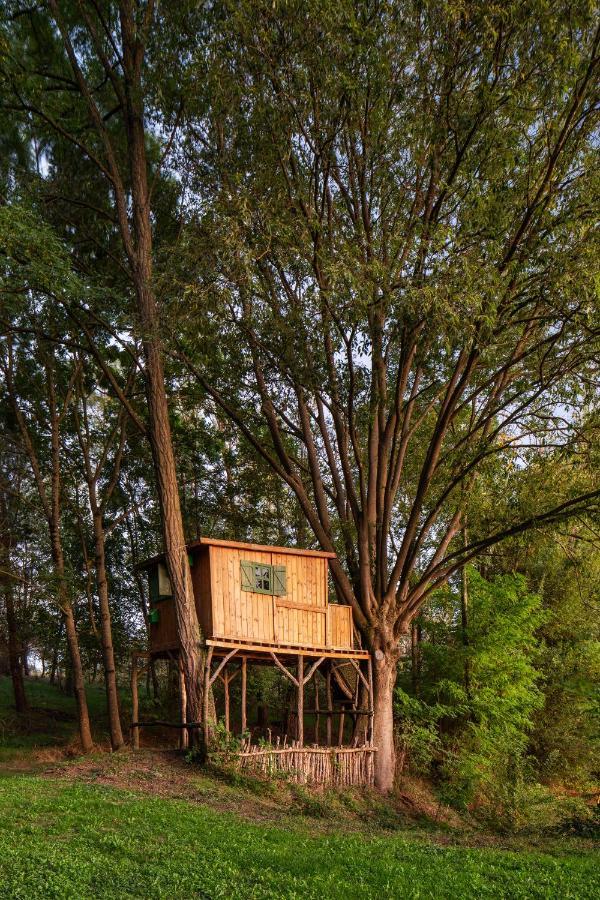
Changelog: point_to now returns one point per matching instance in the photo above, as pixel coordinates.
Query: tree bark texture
(108, 655)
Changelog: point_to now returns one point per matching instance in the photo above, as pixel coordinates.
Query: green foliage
(478, 695)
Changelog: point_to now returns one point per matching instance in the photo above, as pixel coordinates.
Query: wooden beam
(342, 684)
(222, 665)
(206, 692)
(360, 674)
(285, 671)
(244, 684)
(300, 682)
(313, 669)
(371, 701)
(293, 604)
(267, 649)
(184, 734)
(329, 702)
(226, 697)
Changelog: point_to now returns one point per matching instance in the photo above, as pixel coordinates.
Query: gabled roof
(264, 548)
(241, 545)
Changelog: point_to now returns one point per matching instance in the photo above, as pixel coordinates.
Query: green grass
(51, 719)
(74, 837)
(65, 840)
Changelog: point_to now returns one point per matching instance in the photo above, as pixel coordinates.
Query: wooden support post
(226, 696)
(371, 700)
(329, 704)
(183, 734)
(205, 696)
(341, 728)
(244, 684)
(301, 700)
(317, 709)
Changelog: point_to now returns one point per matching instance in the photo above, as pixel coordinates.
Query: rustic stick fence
(338, 766)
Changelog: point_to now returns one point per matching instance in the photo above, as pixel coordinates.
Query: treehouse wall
(256, 595)
(297, 617)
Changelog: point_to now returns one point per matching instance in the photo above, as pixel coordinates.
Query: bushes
(478, 694)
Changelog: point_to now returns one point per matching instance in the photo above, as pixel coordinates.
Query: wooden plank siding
(302, 617)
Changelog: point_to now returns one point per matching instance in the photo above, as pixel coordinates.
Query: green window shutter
(153, 584)
(279, 581)
(247, 573)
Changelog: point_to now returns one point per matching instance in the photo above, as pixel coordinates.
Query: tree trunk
(384, 680)
(16, 669)
(110, 676)
(64, 602)
(85, 732)
(139, 252)
(176, 557)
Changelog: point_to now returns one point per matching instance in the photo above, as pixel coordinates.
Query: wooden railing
(282, 622)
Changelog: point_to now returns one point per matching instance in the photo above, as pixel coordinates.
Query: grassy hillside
(74, 840)
(150, 825)
(50, 720)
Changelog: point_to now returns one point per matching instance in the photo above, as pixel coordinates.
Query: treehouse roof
(241, 545)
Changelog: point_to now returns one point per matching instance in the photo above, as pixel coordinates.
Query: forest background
(327, 276)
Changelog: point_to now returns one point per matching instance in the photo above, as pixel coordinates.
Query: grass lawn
(149, 825)
(50, 720)
(76, 840)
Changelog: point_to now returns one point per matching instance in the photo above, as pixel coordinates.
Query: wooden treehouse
(263, 605)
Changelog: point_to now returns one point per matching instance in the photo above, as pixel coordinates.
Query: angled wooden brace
(285, 671)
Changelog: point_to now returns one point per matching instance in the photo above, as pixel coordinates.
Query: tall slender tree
(39, 420)
(79, 74)
(396, 254)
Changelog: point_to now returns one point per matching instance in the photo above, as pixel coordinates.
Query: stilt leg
(244, 683)
(371, 710)
(205, 699)
(329, 705)
(301, 700)
(226, 696)
(183, 734)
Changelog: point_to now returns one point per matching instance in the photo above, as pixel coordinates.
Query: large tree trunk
(192, 654)
(176, 557)
(384, 680)
(85, 732)
(110, 675)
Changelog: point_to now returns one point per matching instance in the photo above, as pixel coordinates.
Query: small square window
(263, 578)
(260, 578)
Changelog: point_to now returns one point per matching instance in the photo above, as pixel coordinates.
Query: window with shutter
(279, 581)
(263, 579)
(247, 571)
